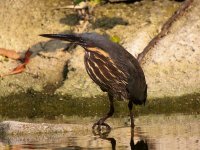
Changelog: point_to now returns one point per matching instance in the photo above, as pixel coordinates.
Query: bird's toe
(99, 126)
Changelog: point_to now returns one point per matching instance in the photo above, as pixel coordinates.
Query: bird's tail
(75, 38)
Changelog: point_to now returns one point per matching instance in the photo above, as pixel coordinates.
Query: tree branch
(165, 29)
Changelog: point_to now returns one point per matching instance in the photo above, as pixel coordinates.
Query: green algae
(33, 105)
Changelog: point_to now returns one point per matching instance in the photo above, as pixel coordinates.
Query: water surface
(153, 132)
(162, 124)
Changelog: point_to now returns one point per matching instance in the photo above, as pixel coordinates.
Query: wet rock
(19, 29)
(171, 68)
(135, 32)
(17, 128)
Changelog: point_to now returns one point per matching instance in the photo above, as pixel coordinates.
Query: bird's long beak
(65, 37)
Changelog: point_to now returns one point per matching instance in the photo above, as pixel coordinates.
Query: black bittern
(111, 67)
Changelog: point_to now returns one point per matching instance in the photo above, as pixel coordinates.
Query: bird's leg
(109, 114)
(132, 139)
(130, 106)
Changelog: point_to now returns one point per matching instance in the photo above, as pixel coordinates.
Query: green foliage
(76, 2)
(96, 1)
(115, 38)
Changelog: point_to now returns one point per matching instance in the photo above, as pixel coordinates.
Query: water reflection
(139, 145)
(119, 138)
(151, 133)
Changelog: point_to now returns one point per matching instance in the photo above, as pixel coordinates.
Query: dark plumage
(111, 67)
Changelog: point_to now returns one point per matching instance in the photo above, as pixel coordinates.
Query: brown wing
(105, 73)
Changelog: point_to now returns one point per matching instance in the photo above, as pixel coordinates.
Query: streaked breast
(105, 73)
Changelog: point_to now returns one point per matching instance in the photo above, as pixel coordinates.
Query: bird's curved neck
(97, 50)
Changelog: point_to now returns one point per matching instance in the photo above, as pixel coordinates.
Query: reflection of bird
(111, 67)
(140, 145)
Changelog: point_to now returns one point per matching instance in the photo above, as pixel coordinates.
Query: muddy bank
(39, 107)
(20, 128)
(171, 69)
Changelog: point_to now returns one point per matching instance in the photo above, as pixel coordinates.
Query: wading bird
(111, 67)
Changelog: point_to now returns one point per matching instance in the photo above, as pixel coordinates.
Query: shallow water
(163, 124)
(153, 132)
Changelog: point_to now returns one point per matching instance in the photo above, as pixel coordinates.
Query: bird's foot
(101, 126)
(101, 133)
(102, 130)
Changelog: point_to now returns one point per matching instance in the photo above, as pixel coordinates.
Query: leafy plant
(76, 2)
(115, 38)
